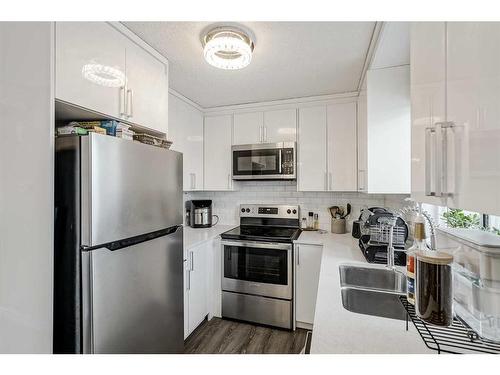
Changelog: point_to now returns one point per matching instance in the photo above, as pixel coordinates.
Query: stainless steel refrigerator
(118, 264)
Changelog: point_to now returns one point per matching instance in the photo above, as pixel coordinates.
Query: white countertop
(337, 330)
(196, 236)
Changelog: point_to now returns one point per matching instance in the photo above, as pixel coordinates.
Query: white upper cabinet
(456, 117)
(428, 107)
(280, 126)
(265, 127)
(472, 136)
(342, 155)
(146, 89)
(248, 128)
(362, 143)
(86, 44)
(217, 152)
(103, 52)
(312, 172)
(389, 130)
(186, 133)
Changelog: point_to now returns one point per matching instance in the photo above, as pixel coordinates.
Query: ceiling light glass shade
(104, 75)
(228, 48)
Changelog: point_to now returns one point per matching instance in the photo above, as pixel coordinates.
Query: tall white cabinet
(186, 133)
(327, 158)
(218, 136)
(311, 161)
(456, 149)
(388, 130)
(428, 107)
(342, 155)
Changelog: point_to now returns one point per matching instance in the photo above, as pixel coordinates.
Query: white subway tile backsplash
(226, 204)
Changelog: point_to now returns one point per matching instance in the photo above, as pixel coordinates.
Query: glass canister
(434, 287)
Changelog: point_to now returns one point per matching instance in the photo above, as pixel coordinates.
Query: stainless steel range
(257, 265)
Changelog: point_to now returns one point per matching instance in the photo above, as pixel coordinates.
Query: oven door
(258, 268)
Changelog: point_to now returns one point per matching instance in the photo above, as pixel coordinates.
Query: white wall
(226, 204)
(26, 187)
(389, 130)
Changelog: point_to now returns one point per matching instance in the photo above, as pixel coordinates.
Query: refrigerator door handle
(117, 245)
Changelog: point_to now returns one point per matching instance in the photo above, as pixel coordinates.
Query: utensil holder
(338, 226)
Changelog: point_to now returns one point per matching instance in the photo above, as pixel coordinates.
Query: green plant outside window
(455, 218)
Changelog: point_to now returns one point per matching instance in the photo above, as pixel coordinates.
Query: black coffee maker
(199, 213)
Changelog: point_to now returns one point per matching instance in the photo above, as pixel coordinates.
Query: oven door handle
(258, 244)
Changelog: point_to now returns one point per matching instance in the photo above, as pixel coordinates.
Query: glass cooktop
(262, 233)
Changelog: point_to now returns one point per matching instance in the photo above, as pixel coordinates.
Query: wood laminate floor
(220, 336)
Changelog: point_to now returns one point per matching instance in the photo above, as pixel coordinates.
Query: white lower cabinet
(196, 286)
(307, 268)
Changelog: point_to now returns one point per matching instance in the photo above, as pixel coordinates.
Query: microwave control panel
(287, 161)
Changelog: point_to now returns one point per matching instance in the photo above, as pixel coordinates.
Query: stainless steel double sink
(372, 290)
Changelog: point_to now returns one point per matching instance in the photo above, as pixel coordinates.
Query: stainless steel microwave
(265, 161)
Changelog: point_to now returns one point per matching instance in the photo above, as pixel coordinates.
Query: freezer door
(128, 189)
(133, 298)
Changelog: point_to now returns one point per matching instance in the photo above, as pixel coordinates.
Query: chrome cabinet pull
(265, 133)
(191, 258)
(298, 255)
(428, 162)
(122, 102)
(130, 101)
(361, 187)
(330, 180)
(193, 180)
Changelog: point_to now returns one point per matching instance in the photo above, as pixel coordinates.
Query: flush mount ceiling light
(228, 47)
(103, 75)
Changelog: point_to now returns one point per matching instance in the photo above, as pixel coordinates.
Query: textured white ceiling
(393, 47)
(291, 59)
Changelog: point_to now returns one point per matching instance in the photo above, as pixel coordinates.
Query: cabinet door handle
(326, 180)
(188, 281)
(191, 261)
(122, 102)
(442, 160)
(361, 186)
(330, 180)
(261, 140)
(428, 162)
(298, 255)
(193, 180)
(130, 101)
(265, 133)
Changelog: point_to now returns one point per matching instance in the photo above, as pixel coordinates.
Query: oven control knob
(294, 212)
(288, 211)
(242, 210)
(248, 210)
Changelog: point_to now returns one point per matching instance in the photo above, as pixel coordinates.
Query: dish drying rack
(379, 235)
(458, 338)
